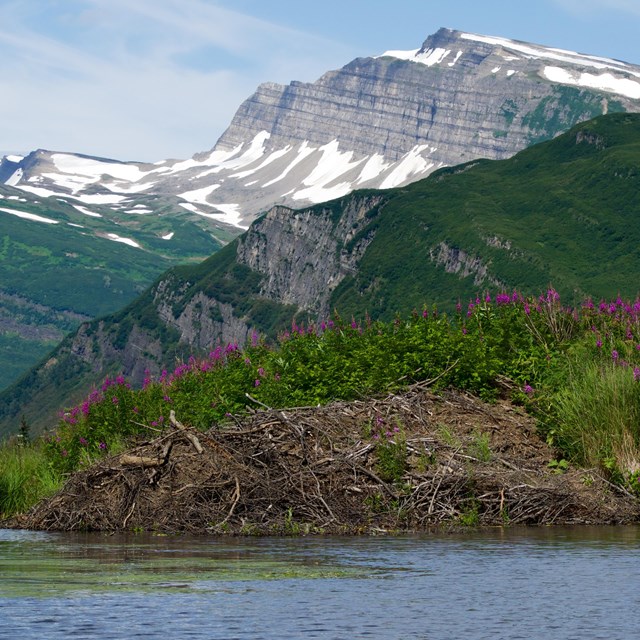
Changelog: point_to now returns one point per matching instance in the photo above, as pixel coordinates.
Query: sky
(149, 80)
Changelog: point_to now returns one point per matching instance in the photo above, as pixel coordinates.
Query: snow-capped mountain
(378, 122)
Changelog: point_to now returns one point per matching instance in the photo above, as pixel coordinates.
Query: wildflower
(599, 343)
(261, 372)
(120, 380)
(115, 400)
(64, 453)
(83, 441)
(256, 383)
(136, 410)
(636, 373)
(614, 355)
(167, 399)
(103, 446)
(277, 376)
(528, 389)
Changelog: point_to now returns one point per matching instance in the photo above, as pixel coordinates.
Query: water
(548, 583)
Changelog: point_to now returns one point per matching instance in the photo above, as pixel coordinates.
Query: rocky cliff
(378, 122)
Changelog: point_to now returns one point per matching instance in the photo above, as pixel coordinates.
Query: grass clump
(26, 476)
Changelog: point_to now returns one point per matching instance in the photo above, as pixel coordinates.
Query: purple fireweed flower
(135, 410)
(614, 355)
(254, 339)
(261, 372)
(64, 453)
(247, 361)
(458, 307)
(323, 325)
(115, 400)
(256, 383)
(354, 324)
(425, 313)
(120, 379)
(83, 441)
(167, 399)
(528, 389)
(464, 331)
(527, 310)
(599, 343)
(277, 376)
(103, 446)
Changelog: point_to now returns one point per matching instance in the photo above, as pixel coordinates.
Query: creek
(503, 583)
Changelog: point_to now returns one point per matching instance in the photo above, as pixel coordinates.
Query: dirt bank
(406, 462)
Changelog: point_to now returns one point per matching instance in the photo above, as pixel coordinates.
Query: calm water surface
(581, 583)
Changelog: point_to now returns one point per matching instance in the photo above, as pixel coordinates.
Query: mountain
(563, 212)
(379, 122)
(84, 235)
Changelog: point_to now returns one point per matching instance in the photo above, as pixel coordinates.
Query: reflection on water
(507, 583)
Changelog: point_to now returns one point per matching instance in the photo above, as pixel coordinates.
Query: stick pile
(322, 470)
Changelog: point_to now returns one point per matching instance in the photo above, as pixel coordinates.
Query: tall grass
(598, 416)
(26, 476)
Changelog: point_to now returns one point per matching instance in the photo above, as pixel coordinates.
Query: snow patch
(562, 55)
(199, 196)
(329, 168)
(168, 236)
(14, 178)
(373, 168)
(451, 64)
(87, 212)
(29, 216)
(605, 81)
(97, 168)
(411, 164)
(428, 57)
(304, 151)
(14, 158)
(117, 238)
(268, 160)
(495, 69)
(510, 72)
(230, 213)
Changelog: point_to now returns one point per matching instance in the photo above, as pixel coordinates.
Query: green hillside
(563, 213)
(64, 267)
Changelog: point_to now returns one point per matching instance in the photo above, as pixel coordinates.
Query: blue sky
(155, 79)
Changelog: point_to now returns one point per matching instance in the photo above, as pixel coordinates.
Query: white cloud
(117, 78)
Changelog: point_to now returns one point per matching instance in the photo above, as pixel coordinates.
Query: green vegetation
(577, 370)
(54, 276)
(26, 476)
(564, 211)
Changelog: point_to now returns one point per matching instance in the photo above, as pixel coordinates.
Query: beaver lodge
(406, 462)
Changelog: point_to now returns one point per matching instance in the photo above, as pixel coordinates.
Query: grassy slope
(568, 212)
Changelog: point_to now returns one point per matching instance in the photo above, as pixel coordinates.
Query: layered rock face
(378, 122)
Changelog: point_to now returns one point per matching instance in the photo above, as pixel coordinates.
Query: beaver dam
(406, 462)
